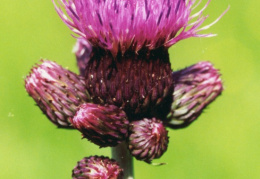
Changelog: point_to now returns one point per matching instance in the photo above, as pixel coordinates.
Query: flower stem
(121, 154)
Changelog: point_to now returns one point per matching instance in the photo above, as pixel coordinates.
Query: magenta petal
(131, 24)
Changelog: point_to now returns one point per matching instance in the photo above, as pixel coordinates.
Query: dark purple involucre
(141, 85)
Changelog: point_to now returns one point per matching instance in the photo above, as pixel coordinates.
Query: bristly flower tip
(133, 25)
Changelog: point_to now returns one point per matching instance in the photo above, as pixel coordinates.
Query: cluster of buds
(126, 90)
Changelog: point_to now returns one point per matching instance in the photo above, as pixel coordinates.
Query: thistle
(97, 167)
(57, 91)
(148, 139)
(129, 93)
(103, 125)
(196, 87)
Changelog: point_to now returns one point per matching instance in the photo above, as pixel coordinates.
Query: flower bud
(195, 88)
(148, 139)
(57, 91)
(82, 50)
(103, 125)
(96, 167)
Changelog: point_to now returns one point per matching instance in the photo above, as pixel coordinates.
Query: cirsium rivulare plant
(126, 94)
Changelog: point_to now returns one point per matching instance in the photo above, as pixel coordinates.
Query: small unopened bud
(96, 167)
(103, 125)
(195, 88)
(82, 50)
(148, 139)
(57, 91)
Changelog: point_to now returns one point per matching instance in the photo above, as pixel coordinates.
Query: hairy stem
(121, 154)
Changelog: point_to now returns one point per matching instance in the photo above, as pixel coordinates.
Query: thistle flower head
(133, 24)
(148, 139)
(125, 75)
(196, 87)
(96, 167)
(57, 91)
(103, 125)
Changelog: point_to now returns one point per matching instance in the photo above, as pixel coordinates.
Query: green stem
(121, 154)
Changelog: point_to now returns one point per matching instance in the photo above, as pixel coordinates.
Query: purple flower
(132, 25)
(126, 76)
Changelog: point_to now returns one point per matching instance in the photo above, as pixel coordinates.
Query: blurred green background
(222, 143)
